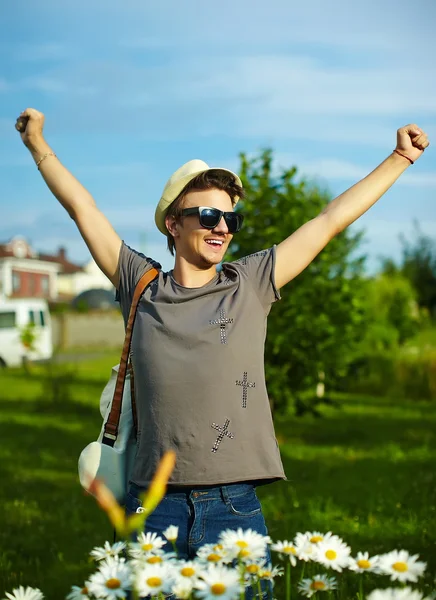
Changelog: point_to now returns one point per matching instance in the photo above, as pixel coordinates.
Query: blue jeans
(201, 513)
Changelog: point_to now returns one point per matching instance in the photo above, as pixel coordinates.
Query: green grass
(365, 470)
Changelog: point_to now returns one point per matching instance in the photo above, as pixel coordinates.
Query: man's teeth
(214, 242)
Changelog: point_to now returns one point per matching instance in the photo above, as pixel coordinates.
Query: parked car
(15, 316)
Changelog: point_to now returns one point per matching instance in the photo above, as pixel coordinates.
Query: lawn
(365, 470)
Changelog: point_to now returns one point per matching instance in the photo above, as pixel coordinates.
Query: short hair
(208, 180)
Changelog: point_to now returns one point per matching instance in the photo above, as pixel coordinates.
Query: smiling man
(198, 342)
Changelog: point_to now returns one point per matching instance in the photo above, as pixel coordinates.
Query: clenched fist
(30, 124)
(411, 141)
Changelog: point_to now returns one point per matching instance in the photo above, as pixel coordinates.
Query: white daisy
(147, 542)
(314, 537)
(112, 580)
(269, 572)
(213, 554)
(401, 566)
(99, 553)
(363, 563)
(246, 545)
(186, 569)
(288, 549)
(218, 582)
(253, 568)
(25, 593)
(318, 583)
(405, 593)
(78, 593)
(306, 544)
(182, 589)
(171, 533)
(152, 580)
(333, 552)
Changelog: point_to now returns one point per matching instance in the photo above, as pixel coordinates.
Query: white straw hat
(175, 184)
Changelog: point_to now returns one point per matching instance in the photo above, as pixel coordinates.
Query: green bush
(408, 373)
(416, 374)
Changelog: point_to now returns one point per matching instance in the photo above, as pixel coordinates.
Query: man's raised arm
(297, 251)
(103, 242)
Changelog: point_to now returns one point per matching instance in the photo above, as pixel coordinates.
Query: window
(16, 281)
(32, 317)
(44, 285)
(42, 318)
(7, 320)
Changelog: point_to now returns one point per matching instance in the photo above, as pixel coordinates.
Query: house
(26, 273)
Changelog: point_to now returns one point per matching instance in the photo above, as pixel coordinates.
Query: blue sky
(133, 90)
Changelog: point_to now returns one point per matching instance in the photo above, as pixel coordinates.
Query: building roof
(18, 247)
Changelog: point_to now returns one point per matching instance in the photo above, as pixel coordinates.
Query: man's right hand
(34, 128)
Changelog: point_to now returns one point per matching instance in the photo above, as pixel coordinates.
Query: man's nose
(221, 227)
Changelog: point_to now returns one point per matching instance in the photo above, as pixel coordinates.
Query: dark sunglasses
(210, 217)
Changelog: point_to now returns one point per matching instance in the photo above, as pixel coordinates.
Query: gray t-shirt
(198, 359)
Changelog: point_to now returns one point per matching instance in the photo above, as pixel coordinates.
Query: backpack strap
(111, 426)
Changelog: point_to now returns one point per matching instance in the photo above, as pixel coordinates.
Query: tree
(314, 329)
(392, 312)
(418, 265)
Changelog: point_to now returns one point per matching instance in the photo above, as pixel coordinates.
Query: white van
(15, 314)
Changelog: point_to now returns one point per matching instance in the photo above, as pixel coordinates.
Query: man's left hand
(411, 141)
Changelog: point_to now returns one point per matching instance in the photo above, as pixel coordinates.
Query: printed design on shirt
(223, 431)
(245, 384)
(222, 322)
(244, 260)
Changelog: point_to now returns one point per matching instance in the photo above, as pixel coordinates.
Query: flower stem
(259, 589)
(288, 581)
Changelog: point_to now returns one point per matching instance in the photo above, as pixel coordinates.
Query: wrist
(401, 154)
(37, 145)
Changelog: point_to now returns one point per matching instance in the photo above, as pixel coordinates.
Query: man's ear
(172, 225)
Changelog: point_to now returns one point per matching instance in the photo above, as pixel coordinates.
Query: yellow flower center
(289, 550)
(84, 591)
(213, 557)
(113, 583)
(331, 554)
(252, 568)
(152, 560)
(154, 581)
(265, 574)
(187, 572)
(315, 539)
(218, 547)
(242, 544)
(147, 547)
(218, 589)
(363, 564)
(244, 553)
(317, 585)
(400, 566)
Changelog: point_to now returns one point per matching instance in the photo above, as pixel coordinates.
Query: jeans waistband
(209, 492)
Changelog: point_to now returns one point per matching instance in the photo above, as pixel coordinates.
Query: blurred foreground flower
(123, 525)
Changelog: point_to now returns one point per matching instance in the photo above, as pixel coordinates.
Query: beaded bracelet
(43, 157)
(404, 156)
